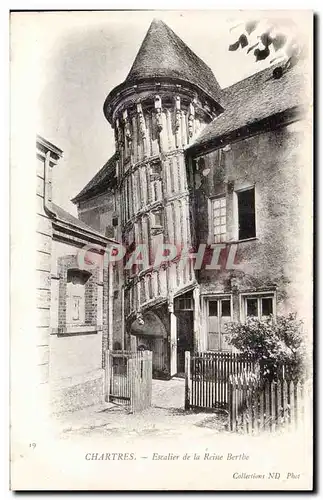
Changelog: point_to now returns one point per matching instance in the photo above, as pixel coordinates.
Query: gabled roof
(100, 181)
(253, 99)
(164, 54)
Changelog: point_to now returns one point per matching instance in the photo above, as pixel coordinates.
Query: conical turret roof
(164, 54)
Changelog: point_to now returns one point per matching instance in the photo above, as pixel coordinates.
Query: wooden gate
(207, 377)
(129, 379)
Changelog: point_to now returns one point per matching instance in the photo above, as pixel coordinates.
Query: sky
(76, 58)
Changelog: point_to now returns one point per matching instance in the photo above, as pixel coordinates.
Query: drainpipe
(122, 319)
(110, 307)
(47, 188)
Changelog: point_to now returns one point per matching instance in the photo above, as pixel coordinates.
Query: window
(267, 306)
(252, 307)
(213, 308)
(258, 306)
(156, 191)
(157, 219)
(216, 305)
(184, 304)
(218, 213)
(246, 214)
(226, 308)
(155, 171)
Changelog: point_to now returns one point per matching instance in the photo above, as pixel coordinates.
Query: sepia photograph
(167, 337)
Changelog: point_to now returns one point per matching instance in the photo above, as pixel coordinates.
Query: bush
(272, 342)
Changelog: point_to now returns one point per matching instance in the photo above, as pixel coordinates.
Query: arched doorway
(151, 334)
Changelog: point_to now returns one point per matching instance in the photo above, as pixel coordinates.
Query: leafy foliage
(273, 342)
(265, 39)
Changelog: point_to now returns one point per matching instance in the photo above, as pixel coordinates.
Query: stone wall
(101, 212)
(76, 351)
(278, 258)
(70, 357)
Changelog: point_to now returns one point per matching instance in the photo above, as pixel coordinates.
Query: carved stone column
(178, 115)
(142, 129)
(127, 133)
(159, 120)
(191, 118)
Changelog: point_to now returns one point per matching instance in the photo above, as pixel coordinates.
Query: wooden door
(225, 317)
(218, 314)
(184, 337)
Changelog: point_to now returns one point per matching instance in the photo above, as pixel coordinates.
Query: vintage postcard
(161, 250)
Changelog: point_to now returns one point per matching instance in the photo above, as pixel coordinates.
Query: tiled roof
(254, 99)
(164, 54)
(99, 181)
(65, 216)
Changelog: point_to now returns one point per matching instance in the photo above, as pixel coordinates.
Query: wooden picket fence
(129, 379)
(207, 375)
(257, 405)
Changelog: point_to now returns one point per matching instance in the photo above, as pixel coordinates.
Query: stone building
(199, 165)
(248, 167)
(74, 299)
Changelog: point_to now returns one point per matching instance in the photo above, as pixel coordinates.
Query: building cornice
(154, 86)
(45, 145)
(72, 234)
